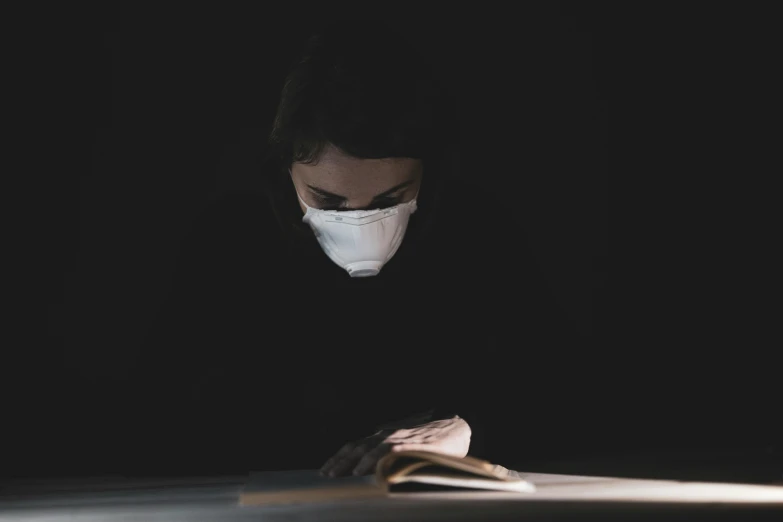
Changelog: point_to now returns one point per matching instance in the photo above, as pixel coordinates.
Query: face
(342, 182)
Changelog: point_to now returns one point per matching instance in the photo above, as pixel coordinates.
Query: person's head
(356, 123)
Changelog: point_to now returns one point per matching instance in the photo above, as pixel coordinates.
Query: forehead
(340, 173)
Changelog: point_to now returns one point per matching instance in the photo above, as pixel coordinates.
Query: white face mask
(360, 241)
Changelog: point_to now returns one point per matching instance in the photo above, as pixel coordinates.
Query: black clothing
(269, 354)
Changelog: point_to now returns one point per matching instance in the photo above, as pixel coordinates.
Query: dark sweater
(268, 355)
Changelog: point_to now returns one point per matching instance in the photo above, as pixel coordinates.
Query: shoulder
(483, 217)
(233, 205)
(488, 240)
(229, 234)
(232, 215)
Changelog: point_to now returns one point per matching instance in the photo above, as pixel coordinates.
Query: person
(369, 297)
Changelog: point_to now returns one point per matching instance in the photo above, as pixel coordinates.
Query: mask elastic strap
(297, 192)
(301, 200)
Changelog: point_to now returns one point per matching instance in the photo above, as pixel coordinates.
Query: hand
(449, 436)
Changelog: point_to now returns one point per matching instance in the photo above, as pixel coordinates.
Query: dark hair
(361, 87)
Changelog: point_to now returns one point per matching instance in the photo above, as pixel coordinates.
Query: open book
(426, 471)
(409, 471)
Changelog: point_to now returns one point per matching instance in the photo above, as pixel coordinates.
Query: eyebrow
(330, 195)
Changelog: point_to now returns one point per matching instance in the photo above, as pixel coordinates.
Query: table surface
(558, 497)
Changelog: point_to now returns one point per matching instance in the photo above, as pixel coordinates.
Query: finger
(370, 459)
(330, 463)
(345, 451)
(327, 465)
(404, 435)
(414, 447)
(434, 448)
(405, 440)
(348, 462)
(334, 459)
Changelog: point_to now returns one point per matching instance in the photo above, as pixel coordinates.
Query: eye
(326, 203)
(386, 202)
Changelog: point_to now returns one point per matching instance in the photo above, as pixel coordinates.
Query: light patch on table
(581, 488)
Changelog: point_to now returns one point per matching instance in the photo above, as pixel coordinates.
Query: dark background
(141, 117)
(179, 106)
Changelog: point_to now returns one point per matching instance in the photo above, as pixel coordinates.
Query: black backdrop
(171, 108)
(143, 116)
